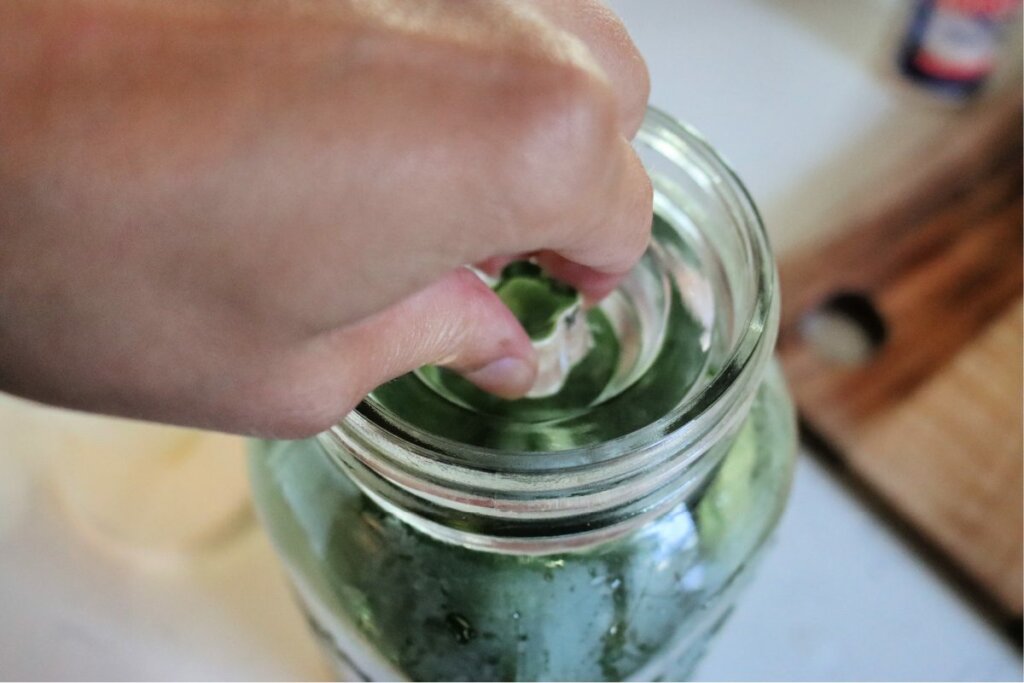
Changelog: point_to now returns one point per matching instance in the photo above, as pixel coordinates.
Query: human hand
(245, 215)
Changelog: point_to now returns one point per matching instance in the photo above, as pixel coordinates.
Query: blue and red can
(951, 46)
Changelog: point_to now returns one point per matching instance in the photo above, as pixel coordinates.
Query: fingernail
(508, 377)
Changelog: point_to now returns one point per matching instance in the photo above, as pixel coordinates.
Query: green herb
(536, 299)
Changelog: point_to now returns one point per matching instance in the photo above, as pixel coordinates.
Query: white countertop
(837, 597)
(794, 93)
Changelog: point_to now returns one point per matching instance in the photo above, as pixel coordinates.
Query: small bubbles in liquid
(693, 579)
(516, 615)
(460, 627)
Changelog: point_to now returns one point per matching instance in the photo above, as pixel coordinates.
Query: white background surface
(796, 95)
(837, 597)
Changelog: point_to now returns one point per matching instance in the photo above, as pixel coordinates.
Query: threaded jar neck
(521, 500)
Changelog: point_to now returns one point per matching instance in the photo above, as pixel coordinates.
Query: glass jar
(438, 533)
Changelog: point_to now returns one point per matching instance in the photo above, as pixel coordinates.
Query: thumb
(457, 322)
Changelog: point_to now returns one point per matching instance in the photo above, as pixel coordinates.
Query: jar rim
(436, 465)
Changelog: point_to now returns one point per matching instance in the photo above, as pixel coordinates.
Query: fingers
(611, 237)
(457, 322)
(593, 284)
(609, 219)
(609, 42)
(603, 243)
(270, 282)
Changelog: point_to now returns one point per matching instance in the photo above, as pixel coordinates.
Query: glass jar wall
(602, 533)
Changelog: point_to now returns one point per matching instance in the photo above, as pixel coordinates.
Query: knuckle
(635, 232)
(462, 323)
(643, 79)
(478, 328)
(636, 78)
(563, 135)
(455, 305)
(640, 215)
(617, 237)
(632, 77)
(637, 106)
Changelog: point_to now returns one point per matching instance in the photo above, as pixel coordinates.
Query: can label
(951, 46)
(957, 46)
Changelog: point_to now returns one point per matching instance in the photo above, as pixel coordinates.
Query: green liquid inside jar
(437, 611)
(401, 585)
(536, 299)
(601, 398)
(432, 610)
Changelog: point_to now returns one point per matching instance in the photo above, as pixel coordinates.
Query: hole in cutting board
(847, 329)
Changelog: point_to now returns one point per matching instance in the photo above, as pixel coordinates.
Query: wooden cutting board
(901, 339)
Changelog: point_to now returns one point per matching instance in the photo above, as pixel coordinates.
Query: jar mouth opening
(699, 417)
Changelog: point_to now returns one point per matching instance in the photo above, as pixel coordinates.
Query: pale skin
(245, 214)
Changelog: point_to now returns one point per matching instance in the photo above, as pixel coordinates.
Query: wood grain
(950, 454)
(933, 420)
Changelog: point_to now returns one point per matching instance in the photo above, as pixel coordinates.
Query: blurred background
(887, 165)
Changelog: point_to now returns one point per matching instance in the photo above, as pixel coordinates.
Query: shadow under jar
(439, 533)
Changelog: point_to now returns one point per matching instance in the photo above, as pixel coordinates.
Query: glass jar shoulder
(433, 610)
(745, 497)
